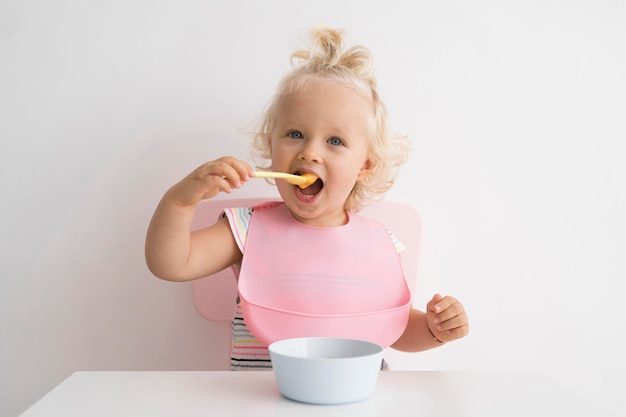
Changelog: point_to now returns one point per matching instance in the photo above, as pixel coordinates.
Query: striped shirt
(247, 353)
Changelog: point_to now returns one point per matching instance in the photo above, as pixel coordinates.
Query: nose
(310, 151)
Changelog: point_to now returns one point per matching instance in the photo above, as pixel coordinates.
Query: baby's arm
(174, 253)
(445, 320)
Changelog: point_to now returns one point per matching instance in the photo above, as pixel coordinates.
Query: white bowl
(326, 370)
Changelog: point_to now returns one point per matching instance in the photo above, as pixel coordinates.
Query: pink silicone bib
(299, 281)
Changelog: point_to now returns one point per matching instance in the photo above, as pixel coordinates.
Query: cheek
(346, 178)
(275, 154)
(278, 158)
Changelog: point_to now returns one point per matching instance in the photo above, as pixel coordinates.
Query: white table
(398, 393)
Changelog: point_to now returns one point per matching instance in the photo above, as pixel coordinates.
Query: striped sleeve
(396, 242)
(239, 220)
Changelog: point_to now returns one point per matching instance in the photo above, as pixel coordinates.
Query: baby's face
(322, 131)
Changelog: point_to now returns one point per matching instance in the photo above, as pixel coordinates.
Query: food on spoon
(310, 179)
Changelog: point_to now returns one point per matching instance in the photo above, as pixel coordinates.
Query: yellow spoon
(301, 181)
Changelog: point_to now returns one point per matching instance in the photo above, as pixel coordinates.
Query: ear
(366, 169)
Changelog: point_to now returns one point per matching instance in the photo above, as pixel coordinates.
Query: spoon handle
(290, 178)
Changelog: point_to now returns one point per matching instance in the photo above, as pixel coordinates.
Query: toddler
(326, 119)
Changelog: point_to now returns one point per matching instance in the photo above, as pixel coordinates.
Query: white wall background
(517, 113)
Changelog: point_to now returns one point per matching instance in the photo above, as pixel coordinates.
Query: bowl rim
(377, 349)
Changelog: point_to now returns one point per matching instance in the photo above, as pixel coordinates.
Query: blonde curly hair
(328, 60)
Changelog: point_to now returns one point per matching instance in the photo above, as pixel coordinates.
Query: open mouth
(312, 189)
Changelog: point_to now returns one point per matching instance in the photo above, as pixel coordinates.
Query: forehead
(325, 101)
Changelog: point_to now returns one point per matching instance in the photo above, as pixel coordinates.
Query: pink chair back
(215, 296)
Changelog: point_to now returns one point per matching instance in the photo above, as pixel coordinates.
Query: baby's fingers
(457, 332)
(232, 170)
(445, 307)
(451, 323)
(209, 179)
(448, 317)
(446, 311)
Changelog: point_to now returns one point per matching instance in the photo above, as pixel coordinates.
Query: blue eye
(295, 135)
(335, 141)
